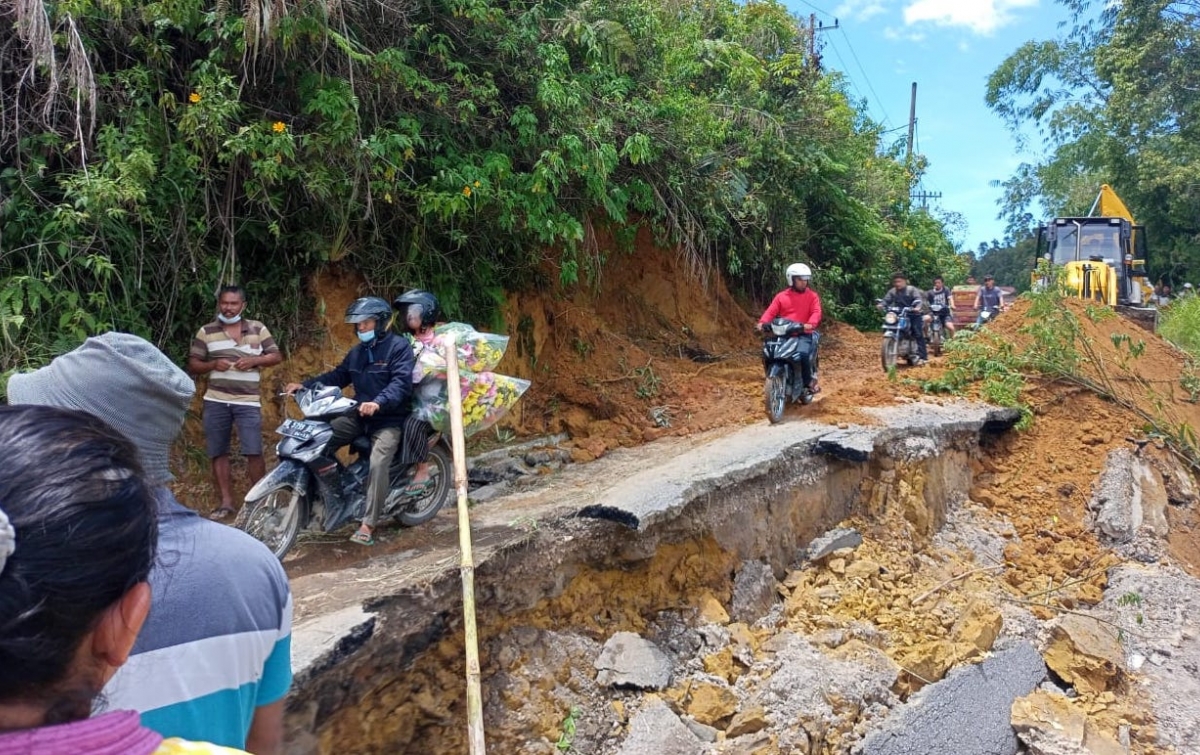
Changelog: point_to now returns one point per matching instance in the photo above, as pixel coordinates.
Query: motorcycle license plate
(296, 429)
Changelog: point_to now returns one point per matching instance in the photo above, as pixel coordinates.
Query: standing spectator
(231, 350)
(213, 662)
(1164, 295)
(78, 533)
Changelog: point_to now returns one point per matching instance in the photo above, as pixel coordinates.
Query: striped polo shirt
(233, 386)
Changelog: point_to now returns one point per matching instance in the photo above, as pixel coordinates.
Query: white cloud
(980, 16)
(859, 10)
(903, 35)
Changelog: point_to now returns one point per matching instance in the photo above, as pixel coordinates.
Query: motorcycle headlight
(890, 318)
(779, 330)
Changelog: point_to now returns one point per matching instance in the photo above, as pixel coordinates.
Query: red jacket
(803, 307)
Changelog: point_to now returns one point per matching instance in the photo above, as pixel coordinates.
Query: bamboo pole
(467, 565)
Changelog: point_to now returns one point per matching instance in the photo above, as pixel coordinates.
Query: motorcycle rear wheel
(775, 395)
(420, 510)
(274, 519)
(889, 353)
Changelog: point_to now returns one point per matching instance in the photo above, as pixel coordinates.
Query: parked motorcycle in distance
(935, 334)
(292, 497)
(899, 339)
(785, 345)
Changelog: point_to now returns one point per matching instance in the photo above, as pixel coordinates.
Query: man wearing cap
(231, 350)
(213, 660)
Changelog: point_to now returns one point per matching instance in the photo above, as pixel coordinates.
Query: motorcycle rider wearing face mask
(801, 304)
(380, 367)
(903, 295)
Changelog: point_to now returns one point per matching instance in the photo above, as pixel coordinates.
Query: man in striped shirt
(231, 350)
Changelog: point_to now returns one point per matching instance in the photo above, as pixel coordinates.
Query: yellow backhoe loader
(1103, 255)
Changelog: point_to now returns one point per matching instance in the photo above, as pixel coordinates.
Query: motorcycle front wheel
(274, 519)
(889, 353)
(775, 394)
(935, 342)
(441, 471)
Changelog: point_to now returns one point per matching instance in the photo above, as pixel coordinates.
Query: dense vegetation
(1011, 262)
(151, 151)
(1117, 98)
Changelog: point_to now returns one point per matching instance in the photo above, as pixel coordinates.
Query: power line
(866, 77)
(819, 10)
(859, 91)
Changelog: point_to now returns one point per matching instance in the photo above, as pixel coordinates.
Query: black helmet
(430, 310)
(367, 308)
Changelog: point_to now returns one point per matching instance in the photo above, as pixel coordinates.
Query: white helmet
(798, 270)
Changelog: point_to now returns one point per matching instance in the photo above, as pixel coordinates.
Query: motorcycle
(986, 315)
(899, 339)
(785, 344)
(293, 497)
(934, 335)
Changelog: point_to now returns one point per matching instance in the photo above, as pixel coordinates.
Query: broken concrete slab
(834, 540)
(1179, 481)
(656, 730)
(1048, 724)
(851, 444)
(1085, 652)
(967, 713)
(628, 660)
(754, 592)
(1129, 498)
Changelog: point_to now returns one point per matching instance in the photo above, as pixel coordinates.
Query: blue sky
(949, 47)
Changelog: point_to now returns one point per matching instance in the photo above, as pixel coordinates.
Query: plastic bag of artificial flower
(477, 352)
(486, 398)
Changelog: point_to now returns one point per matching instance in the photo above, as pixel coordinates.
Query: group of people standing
(232, 350)
(129, 624)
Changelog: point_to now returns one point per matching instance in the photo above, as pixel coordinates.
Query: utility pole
(912, 124)
(813, 28)
(924, 196)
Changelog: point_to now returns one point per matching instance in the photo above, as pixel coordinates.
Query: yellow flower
(466, 191)
(477, 184)
(194, 97)
(278, 158)
(409, 154)
(279, 127)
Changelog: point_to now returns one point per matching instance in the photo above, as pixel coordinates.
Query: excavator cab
(1104, 257)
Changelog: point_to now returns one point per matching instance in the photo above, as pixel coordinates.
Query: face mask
(229, 320)
(367, 337)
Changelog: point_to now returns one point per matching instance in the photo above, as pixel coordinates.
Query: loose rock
(842, 537)
(1085, 653)
(628, 660)
(656, 730)
(1048, 724)
(1129, 498)
(748, 721)
(754, 592)
(711, 703)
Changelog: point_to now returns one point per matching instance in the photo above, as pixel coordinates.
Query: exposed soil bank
(604, 548)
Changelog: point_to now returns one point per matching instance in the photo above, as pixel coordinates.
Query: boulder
(656, 730)
(1085, 653)
(628, 660)
(1178, 480)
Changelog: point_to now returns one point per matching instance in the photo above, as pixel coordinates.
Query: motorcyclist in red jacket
(801, 304)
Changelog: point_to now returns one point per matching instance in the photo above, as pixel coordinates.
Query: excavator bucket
(1109, 205)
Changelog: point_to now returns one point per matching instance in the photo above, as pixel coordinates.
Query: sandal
(221, 513)
(419, 489)
(362, 538)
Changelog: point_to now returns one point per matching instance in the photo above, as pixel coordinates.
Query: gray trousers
(384, 443)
